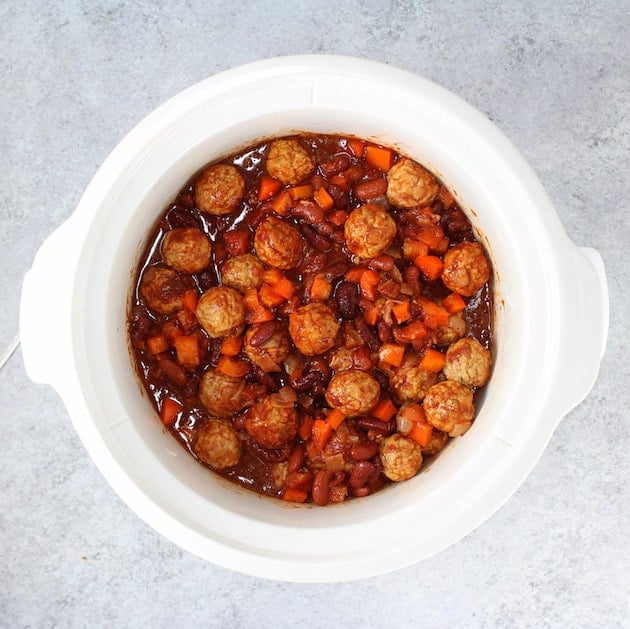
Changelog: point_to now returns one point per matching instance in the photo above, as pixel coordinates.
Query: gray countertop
(76, 76)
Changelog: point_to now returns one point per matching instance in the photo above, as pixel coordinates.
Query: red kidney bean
(186, 199)
(360, 474)
(361, 359)
(360, 492)
(338, 196)
(141, 325)
(173, 371)
(366, 333)
(319, 365)
(206, 279)
(325, 227)
(376, 425)
(313, 262)
(238, 422)
(338, 236)
(364, 451)
(381, 378)
(316, 240)
(384, 331)
(190, 388)
(215, 351)
(296, 460)
(178, 217)
(264, 378)
(337, 269)
(236, 241)
(308, 211)
(263, 333)
(346, 299)
(338, 478)
(384, 262)
(319, 490)
(370, 189)
(411, 275)
(307, 381)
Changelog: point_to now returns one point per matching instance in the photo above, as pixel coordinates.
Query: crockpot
(551, 319)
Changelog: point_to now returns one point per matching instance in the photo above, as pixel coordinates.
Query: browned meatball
(454, 330)
(401, 457)
(410, 383)
(219, 189)
(187, 249)
(217, 444)
(437, 443)
(466, 268)
(162, 289)
(270, 354)
(221, 311)
(449, 407)
(468, 362)
(242, 272)
(220, 394)
(353, 392)
(410, 185)
(272, 422)
(278, 244)
(289, 161)
(313, 328)
(369, 230)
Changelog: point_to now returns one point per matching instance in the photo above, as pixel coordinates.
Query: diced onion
(404, 425)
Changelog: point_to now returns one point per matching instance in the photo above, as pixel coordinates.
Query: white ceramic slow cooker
(551, 319)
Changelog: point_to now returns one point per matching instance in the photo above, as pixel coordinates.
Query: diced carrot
(392, 354)
(306, 428)
(371, 316)
(431, 266)
(157, 344)
(413, 412)
(356, 146)
(320, 433)
(187, 349)
(442, 246)
(421, 433)
(338, 217)
(236, 241)
(170, 410)
(341, 182)
(431, 235)
(354, 274)
(284, 288)
(433, 315)
(231, 345)
(171, 330)
(250, 297)
(414, 331)
(334, 418)
(189, 299)
(281, 203)
(294, 495)
(268, 187)
(186, 319)
(384, 410)
(432, 360)
(454, 303)
(321, 288)
(268, 296)
(272, 276)
(304, 191)
(402, 311)
(324, 200)
(379, 157)
(414, 248)
(259, 315)
(232, 366)
(368, 283)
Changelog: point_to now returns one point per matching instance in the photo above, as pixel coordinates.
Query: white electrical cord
(8, 350)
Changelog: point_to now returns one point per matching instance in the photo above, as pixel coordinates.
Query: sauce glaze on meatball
(410, 185)
(369, 230)
(221, 311)
(219, 189)
(186, 249)
(289, 161)
(242, 272)
(313, 328)
(220, 394)
(449, 407)
(466, 268)
(353, 392)
(272, 422)
(278, 244)
(401, 457)
(468, 362)
(217, 444)
(162, 289)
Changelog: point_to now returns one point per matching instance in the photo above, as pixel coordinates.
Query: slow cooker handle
(45, 330)
(586, 317)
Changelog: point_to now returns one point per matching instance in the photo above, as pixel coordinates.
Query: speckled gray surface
(76, 76)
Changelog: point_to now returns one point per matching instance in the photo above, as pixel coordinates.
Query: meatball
(401, 457)
(220, 394)
(468, 362)
(369, 230)
(466, 268)
(221, 311)
(313, 328)
(217, 444)
(410, 383)
(187, 249)
(353, 392)
(449, 407)
(410, 185)
(162, 289)
(289, 161)
(270, 354)
(219, 189)
(437, 443)
(278, 244)
(242, 272)
(272, 422)
(454, 330)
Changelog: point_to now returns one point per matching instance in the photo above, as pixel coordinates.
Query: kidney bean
(296, 460)
(366, 333)
(186, 200)
(346, 299)
(173, 371)
(364, 451)
(236, 241)
(264, 378)
(206, 279)
(376, 425)
(384, 262)
(319, 490)
(319, 365)
(381, 378)
(361, 359)
(316, 240)
(361, 492)
(360, 474)
(384, 331)
(238, 421)
(308, 211)
(178, 217)
(338, 237)
(307, 381)
(313, 262)
(190, 388)
(370, 188)
(299, 480)
(215, 351)
(337, 269)
(338, 196)
(263, 333)
(325, 227)
(411, 275)
(437, 206)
